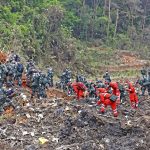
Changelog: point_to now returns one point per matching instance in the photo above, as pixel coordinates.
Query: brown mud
(128, 61)
(73, 125)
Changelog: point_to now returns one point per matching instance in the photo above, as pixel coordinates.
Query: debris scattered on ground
(58, 124)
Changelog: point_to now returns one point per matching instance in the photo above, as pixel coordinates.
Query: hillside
(76, 33)
(89, 37)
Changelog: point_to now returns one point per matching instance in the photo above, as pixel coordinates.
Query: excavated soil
(128, 61)
(3, 56)
(73, 125)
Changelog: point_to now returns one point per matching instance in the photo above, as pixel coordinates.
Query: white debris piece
(28, 116)
(40, 116)
(28, 104)
(24, 97)
(79, 111)
(129, 123)
(101, 146)
(55, 139)
(67, 108)
(142, 141)
(55, 104)
(24, 133)
(32, 133)
(106, 140)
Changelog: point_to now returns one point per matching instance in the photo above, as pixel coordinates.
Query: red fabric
(114, 86)
(132, 95)
(101, 90)
(105, 101)
(79, 89)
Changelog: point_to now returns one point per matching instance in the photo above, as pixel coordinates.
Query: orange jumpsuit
(115, 87)
(79, 89)
(132, 96)
(105, 101)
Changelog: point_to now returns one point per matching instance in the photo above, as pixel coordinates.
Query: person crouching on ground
(107, 99)
(80, 89)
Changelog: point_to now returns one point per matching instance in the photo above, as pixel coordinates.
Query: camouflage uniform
(50, 77)
(122, 92)
(106, 76)
(19, 73)
(2, 75)
(42, 85)
(68, 76)
(81, 78)
(143, 72)
(14, 57)
(2, 98)
(100, 84)
(144, 83)
(148, 79)
(12, 69)
(5, 71)
(35, 84)
(91, 90)
(30, 71)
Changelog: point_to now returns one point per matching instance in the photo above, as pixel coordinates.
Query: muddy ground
(72, 125)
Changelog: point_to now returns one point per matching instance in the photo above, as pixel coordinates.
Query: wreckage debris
(60, 124)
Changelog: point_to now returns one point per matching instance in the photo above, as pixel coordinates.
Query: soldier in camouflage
(143, 72)
(30, 70)
(50, 77)
(5, 97)
(35, 84)
(19, 71)
(3, 74)
(42, 85)
(106, 76)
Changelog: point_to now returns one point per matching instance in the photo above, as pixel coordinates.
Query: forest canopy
(58, 29)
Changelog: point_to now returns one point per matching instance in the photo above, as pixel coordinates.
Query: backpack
(113, 98)
(20, 68)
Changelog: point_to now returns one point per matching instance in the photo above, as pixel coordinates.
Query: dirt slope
(128, 61)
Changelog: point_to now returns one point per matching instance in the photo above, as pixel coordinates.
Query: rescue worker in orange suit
(115, 89)
(80, 89)
(106, 100)
(132, 95)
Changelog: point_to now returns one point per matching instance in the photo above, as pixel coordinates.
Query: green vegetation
(56, 31)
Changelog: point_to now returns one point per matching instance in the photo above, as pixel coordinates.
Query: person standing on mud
(19, 72)
(115, 89)
(3, 74)
(122, 91)
(42, 85)
(132, 95)
(106, 76)
(50, 75)
(12, 69)
(35, 84)
(143, 73)
(30, 70)
(148, 79)
(145, 84)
